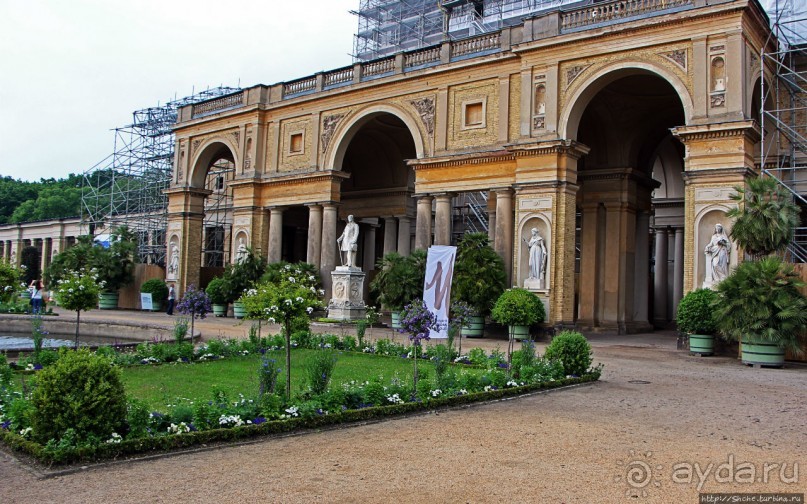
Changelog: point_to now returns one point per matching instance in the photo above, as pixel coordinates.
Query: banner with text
(437, 286)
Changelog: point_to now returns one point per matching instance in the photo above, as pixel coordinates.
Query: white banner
(437, 286)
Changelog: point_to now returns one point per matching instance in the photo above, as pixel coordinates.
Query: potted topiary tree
(518, 309)
(240, 276)
(759, 304)
(479, 279)
(158, 290)
(399, 281)
(695, 317)
(216, 292)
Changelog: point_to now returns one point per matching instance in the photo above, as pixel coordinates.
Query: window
(296, 143)
(473, 114)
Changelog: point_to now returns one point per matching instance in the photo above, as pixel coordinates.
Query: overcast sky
(73, 70)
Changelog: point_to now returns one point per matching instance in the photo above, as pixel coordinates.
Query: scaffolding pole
(127, 187)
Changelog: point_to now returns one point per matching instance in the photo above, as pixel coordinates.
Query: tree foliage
(479, 274)
(765, 220)
(22, 201)
(113, 265)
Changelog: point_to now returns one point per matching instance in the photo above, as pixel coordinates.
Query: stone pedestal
(347, 301)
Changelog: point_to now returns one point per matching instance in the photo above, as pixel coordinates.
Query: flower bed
(187, 423)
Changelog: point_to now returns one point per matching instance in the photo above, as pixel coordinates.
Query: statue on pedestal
(241, 252)
(348, 243)
(717, 257)
(536, 279)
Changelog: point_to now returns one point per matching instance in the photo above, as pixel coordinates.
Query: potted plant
(759, 304)
(479, 279)
(158, 290)
(113, 265)
(399, 281)
(216, 292)
(240, 276)
(695, 318)
(518, 309)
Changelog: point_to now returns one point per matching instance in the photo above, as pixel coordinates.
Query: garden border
(138, 449)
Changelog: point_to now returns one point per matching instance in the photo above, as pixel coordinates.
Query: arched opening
(378, 191)
(630, 201)
(213, 171)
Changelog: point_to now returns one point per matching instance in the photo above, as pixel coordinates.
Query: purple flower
(5, 425)
(259, 420)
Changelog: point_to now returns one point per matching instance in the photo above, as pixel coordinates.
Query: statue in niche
(173, 265)
(717, 257)
(348, 243)
(241, 252)
(536, 279)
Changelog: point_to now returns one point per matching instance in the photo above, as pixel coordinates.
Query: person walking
(37, 289)
(171, 299)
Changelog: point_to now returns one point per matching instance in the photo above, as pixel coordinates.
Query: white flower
(309, 309)
(298, 299)
(322, 292)
(436, 392)
(462, 391)
(293, 411)
(271, 320)
(288, 302)
(395, 399)
(26, 431)
(116, 438)
(231, 420)
(292, 279)
(488, 388)
(177, 429)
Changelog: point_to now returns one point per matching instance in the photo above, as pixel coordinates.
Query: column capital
(502, 191)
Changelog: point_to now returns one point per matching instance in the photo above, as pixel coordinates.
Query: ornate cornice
(310, 177)
(571, 148)
(716, 131)
(460, 159)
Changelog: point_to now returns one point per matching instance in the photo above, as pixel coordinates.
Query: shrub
(518, 307)
(267, 376)
(761, 300)
(9, 280)
(572, 350)
(320, 369)
(695, 312)
(157, 288)
(217, 291)
(479, 274)
(81, 391)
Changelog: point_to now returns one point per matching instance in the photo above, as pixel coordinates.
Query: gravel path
(569, 446)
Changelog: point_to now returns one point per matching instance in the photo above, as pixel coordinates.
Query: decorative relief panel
(535, 203)
(425, 109)
(329, 124)
(670, 57)
(713, 194)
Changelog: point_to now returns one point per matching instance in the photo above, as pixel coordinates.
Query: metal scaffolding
(127, 187)
(390, 26)
(783, 107)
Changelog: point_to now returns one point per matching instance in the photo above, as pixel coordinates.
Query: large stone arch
(348, 128)
(209, 151)
(579, 100)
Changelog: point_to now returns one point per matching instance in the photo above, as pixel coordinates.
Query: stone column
(660, 280)
(642, 272)
(678, 268)
(503, 243)
(442, 219)
(47, 248)
(328, 258)
(368, 259)
(314, 251)
(423, 225)
(275, 234)
(404, 235)
(589, 288)
(390, 235)
(492, 216)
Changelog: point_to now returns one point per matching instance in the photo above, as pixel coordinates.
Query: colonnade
(668, 273)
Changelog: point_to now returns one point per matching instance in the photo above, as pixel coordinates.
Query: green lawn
(161, 385)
